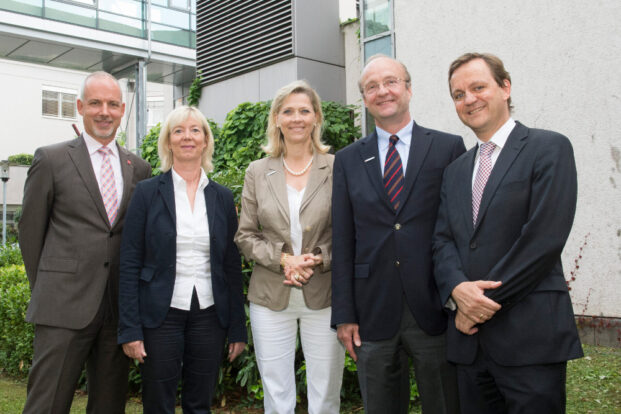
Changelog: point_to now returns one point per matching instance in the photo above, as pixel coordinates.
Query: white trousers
(274, 335)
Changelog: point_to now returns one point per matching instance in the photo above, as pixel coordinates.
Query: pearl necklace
(297, 173)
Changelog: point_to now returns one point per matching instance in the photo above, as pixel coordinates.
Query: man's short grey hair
(99, 74)
(408, 78)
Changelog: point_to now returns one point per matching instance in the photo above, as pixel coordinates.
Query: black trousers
(187, 346)
(383, 371)
(59, 356)
(486, 387)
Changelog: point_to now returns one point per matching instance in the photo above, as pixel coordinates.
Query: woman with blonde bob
(285, 227)
(180, 289)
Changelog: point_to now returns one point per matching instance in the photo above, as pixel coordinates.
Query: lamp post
(4, 175)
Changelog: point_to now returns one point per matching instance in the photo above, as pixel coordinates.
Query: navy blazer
(525, 217)
(149, 256)
(380, 255)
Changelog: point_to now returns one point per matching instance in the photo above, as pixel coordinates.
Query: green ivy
(194, 94)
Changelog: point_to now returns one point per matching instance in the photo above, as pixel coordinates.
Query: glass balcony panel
(166, 34)
(69, 13)
(170, 17)
(128, 8)
(121, 24)
(193, 22)
(377, 17)
(32, 7)
(179, 4)
(160, 2)
(382, 45)
(193, 6)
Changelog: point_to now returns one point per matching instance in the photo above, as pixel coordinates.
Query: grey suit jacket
(264, 230)
(70, 251)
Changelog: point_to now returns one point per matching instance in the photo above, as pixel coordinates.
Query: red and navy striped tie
(393, 173)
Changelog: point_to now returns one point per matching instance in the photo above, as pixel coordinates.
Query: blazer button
(307, 228)
(111, 233)
(106, 264)
(397, 226)
(397, 263)
(473, 244)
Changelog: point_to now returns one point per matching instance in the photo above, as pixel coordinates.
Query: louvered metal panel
(237, 36)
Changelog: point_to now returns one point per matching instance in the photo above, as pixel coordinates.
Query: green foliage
(10, 255)
(21, 159)
(121, 138)
(241, 136)
(15, 333)
(148, 149)
(339, 129)
(194, 94)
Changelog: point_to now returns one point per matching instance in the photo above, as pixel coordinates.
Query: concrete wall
(23, 127)
(564, 58)
(353, 62)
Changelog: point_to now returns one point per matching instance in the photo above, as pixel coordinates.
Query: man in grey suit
(74, 204)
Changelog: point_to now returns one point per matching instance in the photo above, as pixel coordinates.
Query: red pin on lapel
(129, 162)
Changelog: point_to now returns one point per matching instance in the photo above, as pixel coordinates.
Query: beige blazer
(264, 230)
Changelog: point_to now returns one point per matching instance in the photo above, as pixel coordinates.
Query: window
(377, 37)
(155, 110)
(58, 103)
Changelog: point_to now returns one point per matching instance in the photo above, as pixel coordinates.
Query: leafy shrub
(10, 255)
(21, 159)
(15, 333)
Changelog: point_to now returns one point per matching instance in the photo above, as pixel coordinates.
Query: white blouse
(295, 197)
(193, 260)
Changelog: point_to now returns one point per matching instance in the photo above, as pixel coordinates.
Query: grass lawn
(593, 387)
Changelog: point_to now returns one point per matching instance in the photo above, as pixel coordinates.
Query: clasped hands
(473, 307)
(299, 269)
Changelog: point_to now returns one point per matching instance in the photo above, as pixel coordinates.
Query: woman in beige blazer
(285, 227)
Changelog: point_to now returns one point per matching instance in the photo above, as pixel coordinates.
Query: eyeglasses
(388, 83)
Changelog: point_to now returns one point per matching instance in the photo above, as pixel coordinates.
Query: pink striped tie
(485, 168)
(108, 184)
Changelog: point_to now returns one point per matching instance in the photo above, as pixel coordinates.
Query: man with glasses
(385, 304)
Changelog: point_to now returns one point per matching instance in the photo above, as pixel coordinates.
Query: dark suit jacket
(526, 213)
(379, 255)
(69, 248)
(149, 257)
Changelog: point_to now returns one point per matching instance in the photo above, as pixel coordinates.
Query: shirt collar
(93, 145)
(405, 135)
(500, 137)
(179, 182)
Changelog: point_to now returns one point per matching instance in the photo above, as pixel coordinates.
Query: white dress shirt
(500, 139)
(193, 259)
(97, 159)
(403, 145)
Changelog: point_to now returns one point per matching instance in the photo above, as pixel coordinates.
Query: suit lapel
(515, 143)
(127, 170)
(318, 175)
(210, 205)
(419, 147)
(369, 154)
(465, 187)
(167, 191)
(82, 161)
(275, 177)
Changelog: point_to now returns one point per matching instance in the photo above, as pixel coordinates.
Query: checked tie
(393, 173)
(485, 168)
(108, 184)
